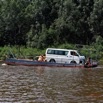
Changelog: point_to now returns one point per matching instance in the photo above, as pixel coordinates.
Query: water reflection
(40, 70)
(50, 85)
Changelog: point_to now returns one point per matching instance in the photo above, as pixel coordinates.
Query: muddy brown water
(21, 84)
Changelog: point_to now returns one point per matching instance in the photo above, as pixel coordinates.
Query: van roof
(61, 49)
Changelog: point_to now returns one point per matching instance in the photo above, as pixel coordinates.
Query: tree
(13, 21)
(80, 18)
(54, 22)
(96, 18)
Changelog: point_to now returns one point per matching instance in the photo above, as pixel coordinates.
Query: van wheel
(52, 61)
(73, 62)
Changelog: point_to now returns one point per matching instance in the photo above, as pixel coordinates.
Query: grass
(20, 52)
(101, 62)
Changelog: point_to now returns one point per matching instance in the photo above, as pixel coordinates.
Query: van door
(64, 57)
(52, 55)
(74, 57)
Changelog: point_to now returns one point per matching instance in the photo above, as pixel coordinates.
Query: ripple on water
(20, 84)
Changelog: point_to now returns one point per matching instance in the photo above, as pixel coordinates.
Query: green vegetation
(92, 51)
(27, 24)
(43, 23)
(20, 52)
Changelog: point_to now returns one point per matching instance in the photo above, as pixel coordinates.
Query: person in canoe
(42, 58)
(88, 62)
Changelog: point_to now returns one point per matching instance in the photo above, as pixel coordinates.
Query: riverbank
(1, 61)
(31, 53)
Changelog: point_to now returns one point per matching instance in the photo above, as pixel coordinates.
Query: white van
(63, 56)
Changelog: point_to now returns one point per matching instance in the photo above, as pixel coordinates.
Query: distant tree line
(42, 23)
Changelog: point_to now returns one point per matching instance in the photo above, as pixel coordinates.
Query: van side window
(66, 52)
(60, 53)
(57, 52)
(73, 53)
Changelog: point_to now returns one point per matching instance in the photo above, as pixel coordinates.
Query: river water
(20, 84)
